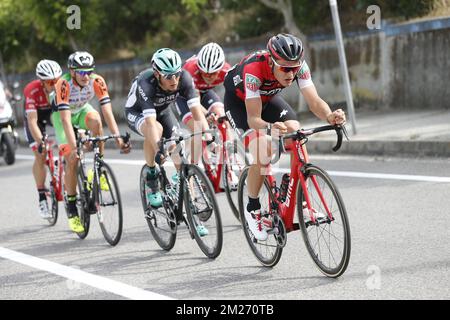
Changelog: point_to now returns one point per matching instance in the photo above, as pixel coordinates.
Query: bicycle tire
(202, 210)
(233, 148)
(111, 235)
(270, 246)
(53, 204)
(326, 226)
(83, 203)
(161, 227)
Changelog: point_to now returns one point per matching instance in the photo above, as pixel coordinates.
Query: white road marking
(89, 279)
(350, 174)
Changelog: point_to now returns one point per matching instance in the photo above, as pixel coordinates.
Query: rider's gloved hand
(124, 147)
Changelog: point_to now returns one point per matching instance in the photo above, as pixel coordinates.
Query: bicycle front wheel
(202, 212)
(234, 163)
(109, 205)
(161, 221)
(268, 252)
(327, 240)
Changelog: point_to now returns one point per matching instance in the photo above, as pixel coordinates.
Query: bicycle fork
(307, 201)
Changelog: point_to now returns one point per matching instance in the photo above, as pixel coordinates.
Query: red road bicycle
(224, 166)
(56, 178)
(322, 216)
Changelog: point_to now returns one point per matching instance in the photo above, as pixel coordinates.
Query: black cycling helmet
(285, 46)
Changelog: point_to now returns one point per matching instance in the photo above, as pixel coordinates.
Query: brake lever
(344, 130)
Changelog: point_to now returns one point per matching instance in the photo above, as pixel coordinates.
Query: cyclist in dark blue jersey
(148, 108)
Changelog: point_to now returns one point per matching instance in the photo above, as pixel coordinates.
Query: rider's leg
(196, 123)
(152, 131)
(70, 171)
(93, 123)
(39, 170)
(259, 148)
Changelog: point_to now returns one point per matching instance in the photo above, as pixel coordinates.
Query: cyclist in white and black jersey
(148, 111)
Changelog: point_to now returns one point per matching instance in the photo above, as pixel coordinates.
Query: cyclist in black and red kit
(252, 100)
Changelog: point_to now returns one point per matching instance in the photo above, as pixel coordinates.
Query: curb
(440, 149)
(385, 148)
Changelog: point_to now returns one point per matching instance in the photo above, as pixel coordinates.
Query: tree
(285, 7)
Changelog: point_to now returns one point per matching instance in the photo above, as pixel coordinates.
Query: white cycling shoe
(43, 210)
(255, 224)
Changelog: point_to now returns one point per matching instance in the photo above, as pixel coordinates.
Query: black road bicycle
(99, 197)
(194, 190)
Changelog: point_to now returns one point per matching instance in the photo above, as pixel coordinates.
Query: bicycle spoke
(329, 244)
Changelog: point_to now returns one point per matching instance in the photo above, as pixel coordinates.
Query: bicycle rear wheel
(268, 252)
(83, 202)
(109, 206)
(161, 221)
(327, 241)
(202, 212)
(234, 163)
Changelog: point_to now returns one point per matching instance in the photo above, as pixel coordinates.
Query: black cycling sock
(42, 195)
(72, 206)
(253, 204)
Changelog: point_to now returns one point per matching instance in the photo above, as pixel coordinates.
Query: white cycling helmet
(211, 58)
(48, 70)
(81, 60)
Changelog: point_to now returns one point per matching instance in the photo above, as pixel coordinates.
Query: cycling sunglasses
(171, 75)
(287, 69)
(84, 72)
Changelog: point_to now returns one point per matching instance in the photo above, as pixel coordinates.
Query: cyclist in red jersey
(37, 111)
(252, 101)
(208, 70)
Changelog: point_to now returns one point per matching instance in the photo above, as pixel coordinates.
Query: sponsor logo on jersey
(304, 73)
(142, 93)
(131, 117)
(237, 79)
(63, 92)
(252, 83)
(270, 92)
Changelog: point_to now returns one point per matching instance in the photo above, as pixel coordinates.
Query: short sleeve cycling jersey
(35, 97)
(253, 77)
(193, 69)
(148, 97)
(70, 96)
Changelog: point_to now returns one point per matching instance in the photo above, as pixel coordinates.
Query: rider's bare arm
(320, 108)
(32, 118)
(254, 110)
(199, 117)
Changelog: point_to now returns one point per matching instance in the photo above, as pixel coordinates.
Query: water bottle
(284, 186)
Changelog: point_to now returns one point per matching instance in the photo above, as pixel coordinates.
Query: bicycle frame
(178, 208)
(215, 178)
(286, 209)
(56, 181)
(96, 168)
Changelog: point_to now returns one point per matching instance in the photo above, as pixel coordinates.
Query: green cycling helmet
(166, 61)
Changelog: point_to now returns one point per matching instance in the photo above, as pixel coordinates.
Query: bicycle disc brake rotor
(279, 231)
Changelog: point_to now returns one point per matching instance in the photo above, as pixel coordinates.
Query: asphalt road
(398, 215)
